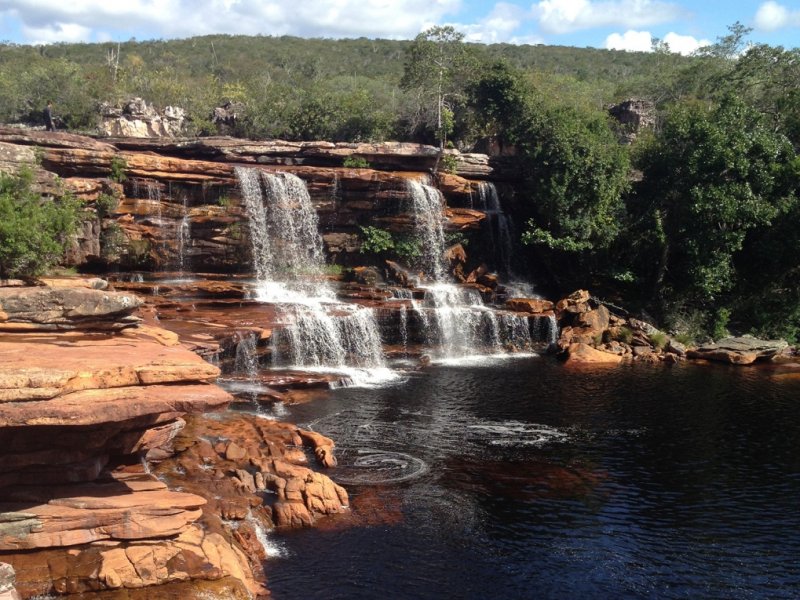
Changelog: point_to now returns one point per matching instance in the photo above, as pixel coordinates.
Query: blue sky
(622, 24)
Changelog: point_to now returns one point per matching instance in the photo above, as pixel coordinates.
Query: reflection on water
(521, 480)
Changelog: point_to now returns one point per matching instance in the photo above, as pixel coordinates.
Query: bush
(106, 204)
(33, 230)
(376, 240)
(659, 340)
(355, 162)
(118, 166)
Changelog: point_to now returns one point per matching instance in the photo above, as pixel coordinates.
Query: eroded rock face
(7, 581)
(138, 119)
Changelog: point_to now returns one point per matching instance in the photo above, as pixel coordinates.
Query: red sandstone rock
(529, 305)
(583, 354)
(576, 302)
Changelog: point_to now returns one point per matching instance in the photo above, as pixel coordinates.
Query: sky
(618, 24)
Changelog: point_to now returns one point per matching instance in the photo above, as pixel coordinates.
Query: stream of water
(522, 479)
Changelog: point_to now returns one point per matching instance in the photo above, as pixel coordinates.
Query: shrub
(625, 335)
(355, 162)
(33, 230)
(449, 164)
(106, 204)
(376, 240)
(118, 166)
(658, 339)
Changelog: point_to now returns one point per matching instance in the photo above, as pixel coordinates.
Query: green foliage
(355, 162)
(576, 174)
(33, 230)
(719, 326)
(448, 163)
(112, 242)
(456, 237)
(408, 248)
(376, 240)
(658, 340)
(710, 177)
(625, 335)
(106, 204)
(118, 166)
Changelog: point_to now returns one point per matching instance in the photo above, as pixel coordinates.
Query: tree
(437, 68)
(33, 230)
(710, 177)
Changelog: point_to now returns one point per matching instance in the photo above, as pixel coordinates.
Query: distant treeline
(696, 222)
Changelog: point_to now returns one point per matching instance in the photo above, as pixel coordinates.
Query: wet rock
(743, 350)
(529, 305)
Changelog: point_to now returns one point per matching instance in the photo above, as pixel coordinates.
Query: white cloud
(642, 41)
(57, 32)
(564, 16)
(180, 18)
(632, 41)
(684, 44)
(771, 16)
(498, 26)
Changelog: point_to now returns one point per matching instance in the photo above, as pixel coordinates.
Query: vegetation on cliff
(33, 230)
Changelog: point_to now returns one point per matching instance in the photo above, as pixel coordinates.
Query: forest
(694, 223)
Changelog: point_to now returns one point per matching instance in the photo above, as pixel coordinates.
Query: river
(523, 479)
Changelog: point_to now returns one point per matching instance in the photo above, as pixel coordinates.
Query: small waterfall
(246, 360)
(498, 227)
(287, 248)
(271, 548)
(428, 206)
(184, 235)
(319, 332)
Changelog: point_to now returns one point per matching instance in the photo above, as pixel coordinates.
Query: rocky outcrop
(65, 309)
(633, 115)
(86, 392)
(179, 205)
(743, 350)
(137, 119)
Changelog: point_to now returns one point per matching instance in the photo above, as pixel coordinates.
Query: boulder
(742, 350)
(595, 320)
(576, 302)
(584, 354)
(529, 305)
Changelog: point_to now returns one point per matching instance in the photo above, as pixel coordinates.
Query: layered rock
(85, 391)
(65, 309)
(179, 205)
(743, 350)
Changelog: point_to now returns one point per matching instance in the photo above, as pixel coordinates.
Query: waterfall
(498, 227)
(184, 235)
(318, 332)
(428, 207)
(454, 318)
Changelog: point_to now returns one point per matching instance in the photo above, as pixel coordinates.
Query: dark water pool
(521, 479)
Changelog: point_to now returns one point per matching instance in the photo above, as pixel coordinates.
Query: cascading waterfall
(318, 332)
(428, 207)
(184, 235)
(461, 324)
(498, 227)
